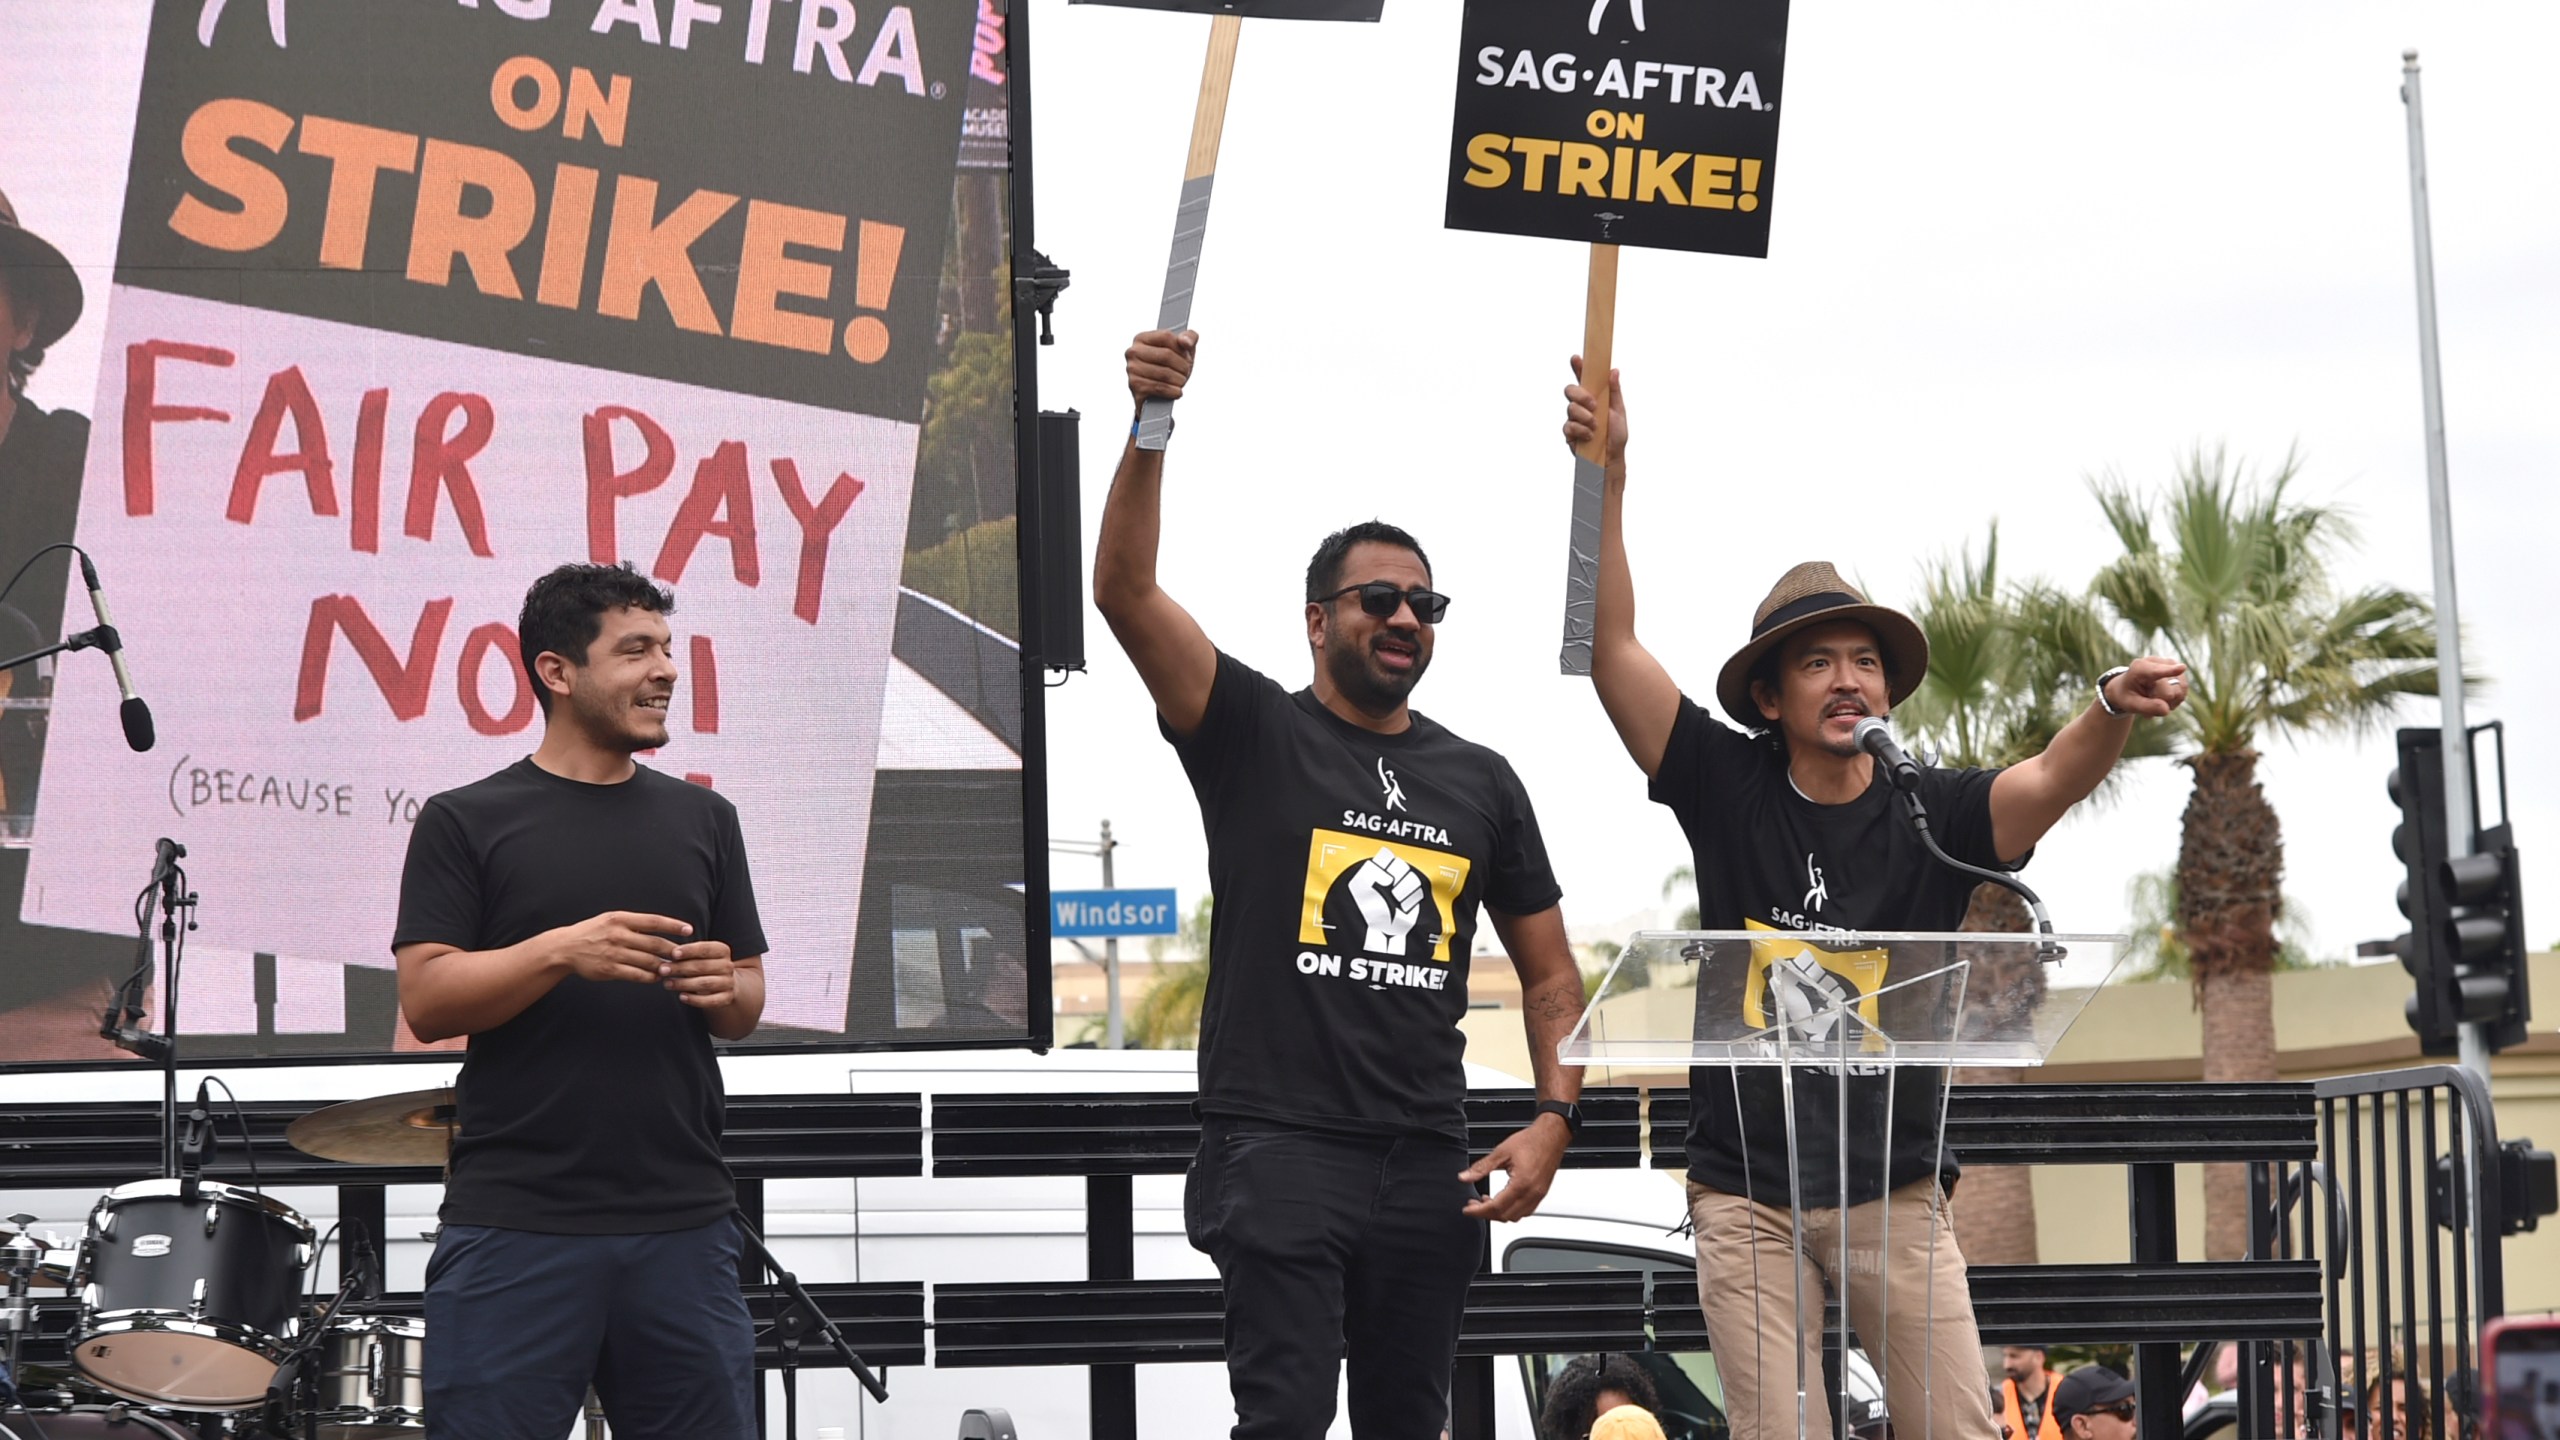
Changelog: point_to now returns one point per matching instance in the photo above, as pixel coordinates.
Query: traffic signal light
(2465, 946)
(2484, 932)
(2417, 787)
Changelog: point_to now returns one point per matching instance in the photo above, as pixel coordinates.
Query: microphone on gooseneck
(138, 731)
(1876, 738)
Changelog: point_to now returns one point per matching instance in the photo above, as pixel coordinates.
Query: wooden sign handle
(1191, 217)
(1209, 121)
(1599, 336)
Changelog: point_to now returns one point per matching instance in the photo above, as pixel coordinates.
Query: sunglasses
(2121, 1410)
(1381, 598)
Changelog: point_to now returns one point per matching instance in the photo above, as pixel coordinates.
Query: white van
(963, 1230)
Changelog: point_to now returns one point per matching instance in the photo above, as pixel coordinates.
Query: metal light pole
(1112, 1038)
(2458, 819)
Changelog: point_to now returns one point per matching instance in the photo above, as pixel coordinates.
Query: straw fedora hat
(1814, 594)
(40, 272)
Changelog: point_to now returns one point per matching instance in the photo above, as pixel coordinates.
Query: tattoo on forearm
(1555, 1005)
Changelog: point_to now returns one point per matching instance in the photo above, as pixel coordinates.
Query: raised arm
(1172, 653)
(1637, 692)
(2028, 798)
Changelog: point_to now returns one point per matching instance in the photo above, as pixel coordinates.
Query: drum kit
(194, 1309)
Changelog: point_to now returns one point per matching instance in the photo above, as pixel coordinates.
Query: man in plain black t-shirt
(1795, 830)
(1352, 843)
(590, 924)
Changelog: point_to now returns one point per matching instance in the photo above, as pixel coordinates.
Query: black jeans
(1333, 1246)
(518, 1324)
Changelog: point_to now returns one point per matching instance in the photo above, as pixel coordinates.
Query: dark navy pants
(519, 1324)
(1332, 1248)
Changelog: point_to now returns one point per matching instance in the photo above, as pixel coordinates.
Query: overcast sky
(2014, 245)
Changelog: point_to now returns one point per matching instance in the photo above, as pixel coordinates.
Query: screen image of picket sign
(1078, 914)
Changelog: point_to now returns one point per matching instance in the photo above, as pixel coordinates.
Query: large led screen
(410, 301)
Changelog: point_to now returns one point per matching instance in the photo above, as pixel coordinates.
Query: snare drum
(189, 1303)
(373, 1381)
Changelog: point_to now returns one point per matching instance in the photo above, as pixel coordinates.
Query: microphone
(138, 731)
(197, 1147)
(1874, 737)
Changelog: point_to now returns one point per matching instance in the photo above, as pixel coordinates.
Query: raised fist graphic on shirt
(1809, 997)
(1389, 894)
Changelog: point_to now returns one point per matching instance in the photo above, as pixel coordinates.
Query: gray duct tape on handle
(1582, 568)
(1181, 278)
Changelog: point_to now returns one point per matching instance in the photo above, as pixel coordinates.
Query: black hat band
(1798, 609)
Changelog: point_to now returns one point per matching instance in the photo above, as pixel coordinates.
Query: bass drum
(87, 1422)
(373, 1384)
(185, 1302)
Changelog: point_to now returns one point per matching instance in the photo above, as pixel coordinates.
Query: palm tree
(1682, 879)
(1168, 1015)
(2001, 662)
(2159, 949)
(2231, 575)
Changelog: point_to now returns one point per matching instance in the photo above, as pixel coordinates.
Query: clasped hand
(652, 949)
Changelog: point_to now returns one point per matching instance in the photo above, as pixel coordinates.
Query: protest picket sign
(414, 302)
(1200, 165)
(1610, 125)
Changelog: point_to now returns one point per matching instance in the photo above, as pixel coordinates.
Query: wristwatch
(2103, 702)
(1565, 1110)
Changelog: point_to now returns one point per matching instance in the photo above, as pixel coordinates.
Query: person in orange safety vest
(2026, 1395)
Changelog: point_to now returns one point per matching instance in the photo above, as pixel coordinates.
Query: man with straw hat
(41, 451)
(1794, 828)
(54, 981)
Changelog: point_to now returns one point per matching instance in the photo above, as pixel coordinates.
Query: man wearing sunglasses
(2094, 1403)
(1352, 843)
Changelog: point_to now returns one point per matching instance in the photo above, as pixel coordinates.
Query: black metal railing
(2403, 1210)
(2378, 1204)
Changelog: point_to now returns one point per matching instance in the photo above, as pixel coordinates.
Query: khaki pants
(1917, 1326)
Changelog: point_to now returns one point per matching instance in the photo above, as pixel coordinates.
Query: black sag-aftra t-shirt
(1768, 858)
(1348, 867)
(596, 1111)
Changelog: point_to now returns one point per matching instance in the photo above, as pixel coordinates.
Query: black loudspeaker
(1061, 541)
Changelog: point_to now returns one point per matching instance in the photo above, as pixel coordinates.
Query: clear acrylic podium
(1831, 1120)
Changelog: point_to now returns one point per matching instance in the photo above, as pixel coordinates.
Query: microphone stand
(174, 897)
(803, 1314)
(96, 637)
(2050, 951)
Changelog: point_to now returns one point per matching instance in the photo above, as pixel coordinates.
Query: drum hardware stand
(296, 1387)
(22, 1254)
(803, 1314)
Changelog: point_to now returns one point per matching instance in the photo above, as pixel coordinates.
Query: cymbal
(414, 1127)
